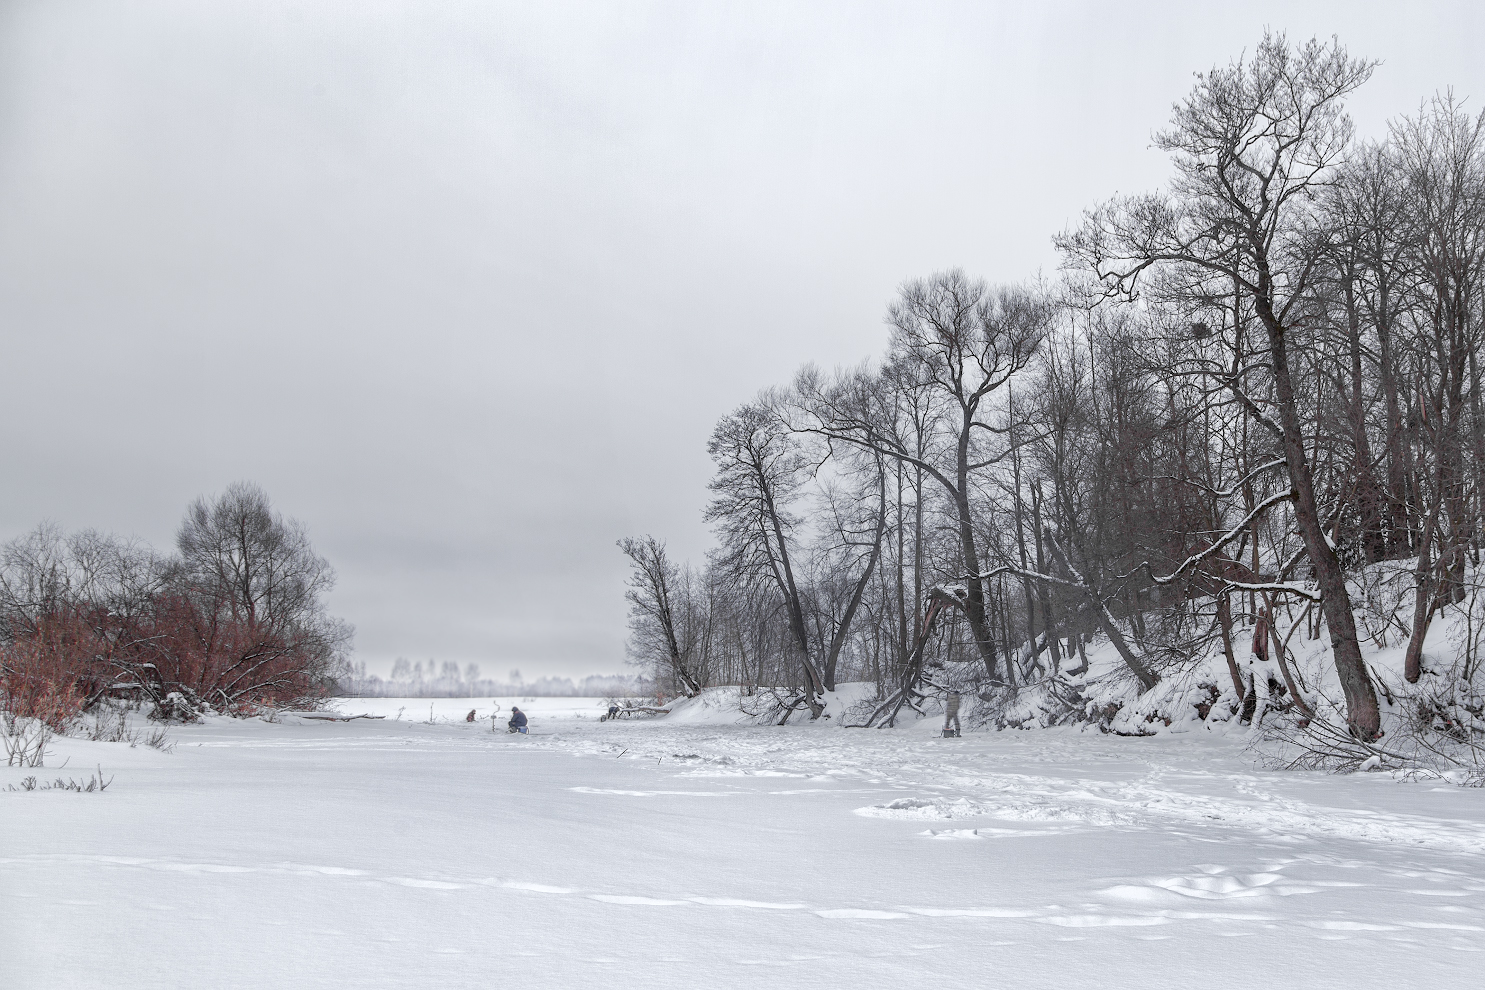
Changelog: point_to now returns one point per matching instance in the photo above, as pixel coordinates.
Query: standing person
(517, 721)
(951, 713)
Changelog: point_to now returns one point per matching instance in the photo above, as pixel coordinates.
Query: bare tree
(1253, 144)
(654, 623)
(760, 470)
(250, 588)
(1441, 155)
(839, 592)
(956, 343)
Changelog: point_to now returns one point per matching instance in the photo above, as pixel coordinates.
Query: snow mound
(921, 808)
(952, 833)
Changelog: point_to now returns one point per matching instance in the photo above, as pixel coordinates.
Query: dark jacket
(517, 719)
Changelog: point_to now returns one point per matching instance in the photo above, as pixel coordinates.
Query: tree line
(409, 679)
(233, 619)
(1245, 393)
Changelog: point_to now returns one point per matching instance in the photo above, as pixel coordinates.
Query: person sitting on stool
(517, 721)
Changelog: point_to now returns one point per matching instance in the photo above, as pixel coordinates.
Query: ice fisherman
(951, 712)
(517, 721)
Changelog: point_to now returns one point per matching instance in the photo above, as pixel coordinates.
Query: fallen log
(637, 710)
(332, 717)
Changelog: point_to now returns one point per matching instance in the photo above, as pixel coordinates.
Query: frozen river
(397, 853)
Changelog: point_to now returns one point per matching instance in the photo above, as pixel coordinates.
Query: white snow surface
(687, 851)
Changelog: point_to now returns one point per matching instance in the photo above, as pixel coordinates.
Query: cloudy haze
(465, 286)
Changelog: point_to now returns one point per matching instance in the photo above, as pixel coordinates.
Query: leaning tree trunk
(910, 673)
(1423, 600)
(687, 681)
(1362, 712)
(1137, 666)
(1224, 623)
(843, 630)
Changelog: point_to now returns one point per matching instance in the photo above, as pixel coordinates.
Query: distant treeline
(450, 682)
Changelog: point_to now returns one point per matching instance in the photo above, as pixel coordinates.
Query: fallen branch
(636, 710)
(330, 717)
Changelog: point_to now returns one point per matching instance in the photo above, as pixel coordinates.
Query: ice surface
(694, 853)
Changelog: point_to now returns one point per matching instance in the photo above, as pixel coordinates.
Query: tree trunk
(842, 631)
(1368, 493)
(1032, 642)
(974, 599)
(1423, 600)
(1224, 623)
(1362, 712)
(783, 573)
(1044, 596)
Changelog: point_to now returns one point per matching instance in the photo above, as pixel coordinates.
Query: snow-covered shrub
(107, 724)
(1421, 738)
(179, 706)
(110, 723)
(1467, 637)
(1434, 727)
(90, 785)
(1384, 602)
(25, 740)
(773, 706)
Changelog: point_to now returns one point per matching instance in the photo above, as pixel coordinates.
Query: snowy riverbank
(396, 853)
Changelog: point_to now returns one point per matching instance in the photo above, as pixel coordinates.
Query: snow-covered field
(687, 853)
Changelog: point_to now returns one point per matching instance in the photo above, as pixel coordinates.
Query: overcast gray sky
(465, 286)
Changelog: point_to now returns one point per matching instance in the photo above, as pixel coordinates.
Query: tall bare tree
(955, 342)
(655, 609)
(1253, 144)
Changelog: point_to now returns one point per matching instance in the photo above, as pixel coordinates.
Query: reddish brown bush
(235, 666)
(235, 620)
(57, 667)
(50, 672)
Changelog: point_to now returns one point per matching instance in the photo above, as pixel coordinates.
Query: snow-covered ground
(690, 853)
